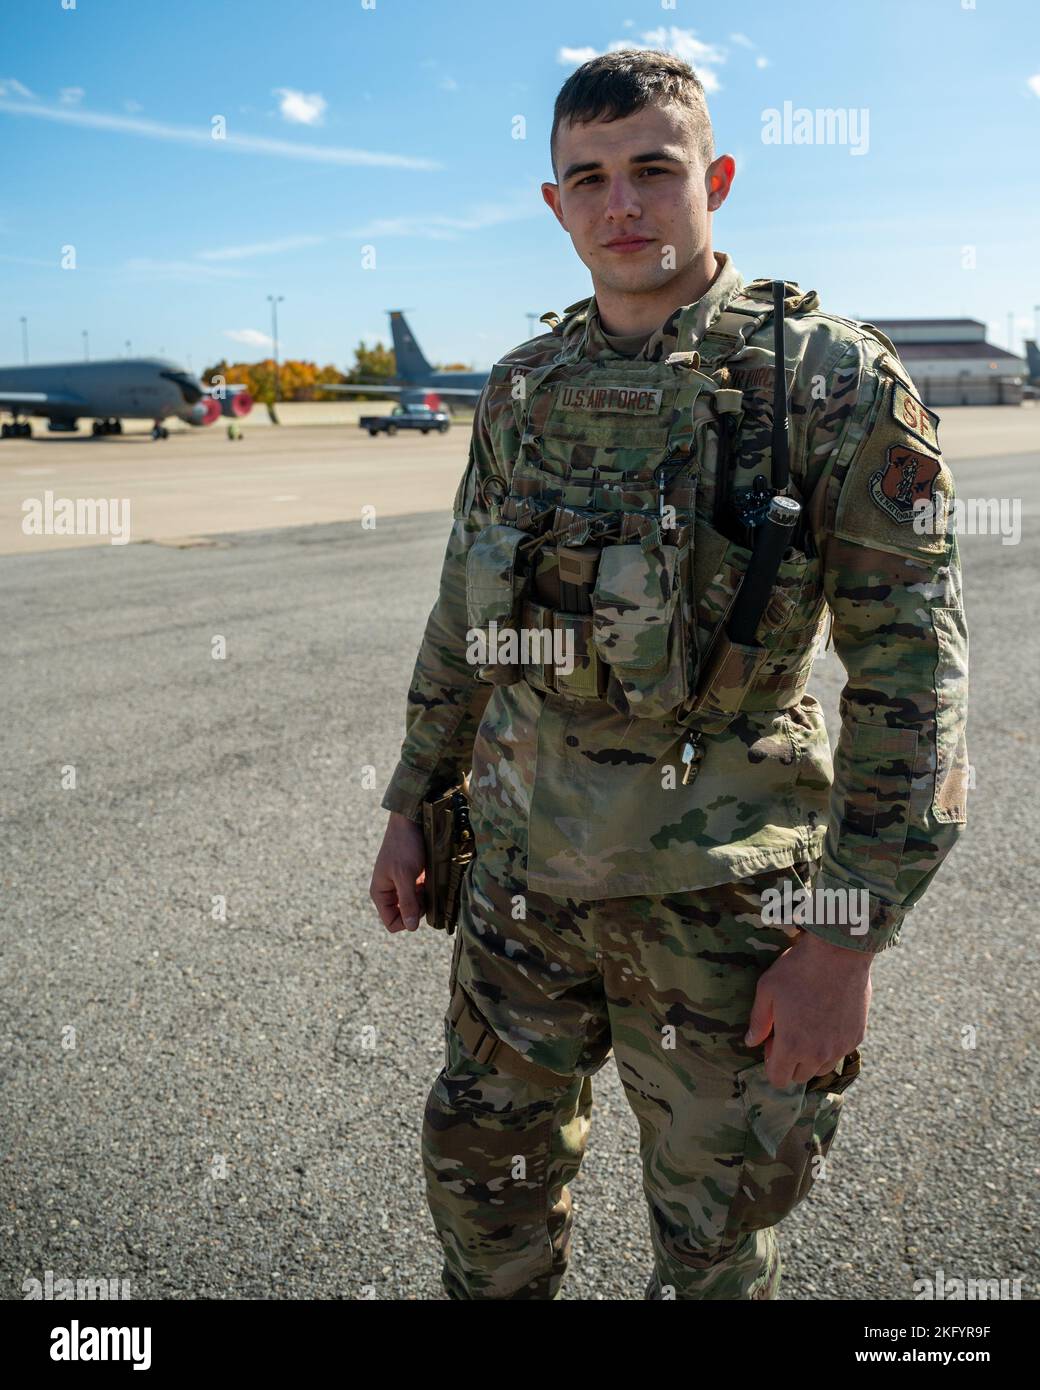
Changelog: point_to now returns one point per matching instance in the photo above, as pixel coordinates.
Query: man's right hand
(395, 887)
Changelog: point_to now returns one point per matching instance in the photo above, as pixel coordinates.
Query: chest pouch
(498, 574)
(642, 617)
(561, 656)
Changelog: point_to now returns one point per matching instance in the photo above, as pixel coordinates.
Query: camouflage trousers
(668, 984)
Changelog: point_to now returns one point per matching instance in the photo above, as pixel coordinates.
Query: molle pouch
(640, 622)
(730, 671)
(771, 672)
(578, 670)
(557, 653)
(494, 590)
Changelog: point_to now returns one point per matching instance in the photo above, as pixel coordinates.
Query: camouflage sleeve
(891, 574)
(445, 701)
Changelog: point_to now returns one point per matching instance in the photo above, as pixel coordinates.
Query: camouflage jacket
(585, 790)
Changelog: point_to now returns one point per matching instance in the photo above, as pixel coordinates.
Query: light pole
(25, 338)
(274, 300)
(86, 347)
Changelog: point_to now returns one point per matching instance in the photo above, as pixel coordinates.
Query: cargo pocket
(950, 803)
(639, 627)
(494, 587)
(789, 1134)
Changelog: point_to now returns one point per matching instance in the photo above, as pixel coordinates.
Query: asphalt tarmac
(216, 1059)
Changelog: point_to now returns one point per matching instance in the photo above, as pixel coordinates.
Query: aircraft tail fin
(408, 356)
(1033, 359)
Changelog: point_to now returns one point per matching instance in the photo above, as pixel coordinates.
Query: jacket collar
(681, 331)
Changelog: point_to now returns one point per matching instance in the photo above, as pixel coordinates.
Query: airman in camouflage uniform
(614, 905)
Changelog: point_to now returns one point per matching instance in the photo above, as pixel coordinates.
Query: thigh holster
(487, 1048)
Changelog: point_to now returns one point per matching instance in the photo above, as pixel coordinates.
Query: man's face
(634, 195)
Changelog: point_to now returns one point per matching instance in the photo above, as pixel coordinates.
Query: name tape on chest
(908, 411)
(620, 400)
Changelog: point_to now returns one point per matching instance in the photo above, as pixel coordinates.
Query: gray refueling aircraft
(416, 382)
(142, 388)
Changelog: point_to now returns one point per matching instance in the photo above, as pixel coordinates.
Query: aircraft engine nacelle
(236, 404)
(204, 412)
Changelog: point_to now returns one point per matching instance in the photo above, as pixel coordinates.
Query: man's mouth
(628, 243)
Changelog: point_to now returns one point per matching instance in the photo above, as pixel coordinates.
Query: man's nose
(622, 201)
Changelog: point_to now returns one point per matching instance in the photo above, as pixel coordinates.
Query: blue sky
(392, 127)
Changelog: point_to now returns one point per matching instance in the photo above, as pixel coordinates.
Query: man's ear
(551, 194)
(718, 179)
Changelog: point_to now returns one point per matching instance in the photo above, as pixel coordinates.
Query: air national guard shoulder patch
(908, 477)
(625, 400)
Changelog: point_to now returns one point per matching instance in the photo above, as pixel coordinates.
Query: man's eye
(596, 178)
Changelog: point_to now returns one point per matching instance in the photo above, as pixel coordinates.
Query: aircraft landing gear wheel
(97, 428)
(116, 426)
(391, 429)
(442, 428)
(25, 429)
(372, 434)
(5, 431)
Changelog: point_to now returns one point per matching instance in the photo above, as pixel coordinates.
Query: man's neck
(624, 315)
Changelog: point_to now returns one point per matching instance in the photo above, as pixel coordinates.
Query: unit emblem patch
(906, 478)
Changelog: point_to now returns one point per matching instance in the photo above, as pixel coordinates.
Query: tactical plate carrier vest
(614, 540)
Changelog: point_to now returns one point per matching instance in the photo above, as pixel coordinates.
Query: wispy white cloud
(10, 86)
(53, 264)
(252, 337)
(761, 62)
(132, 106)
(684, 43)
(448, 84)
(1034, 83)
(572, 57)
(149, 268)
(301, 108)
(240, 144)
(704, 58)
(433, 227)
(261, 248)
(742, 39)
(71, 96)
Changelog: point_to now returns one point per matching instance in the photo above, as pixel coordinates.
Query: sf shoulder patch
(914, 416)
(896, 492)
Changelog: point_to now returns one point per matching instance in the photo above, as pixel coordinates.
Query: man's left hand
(814, 1002)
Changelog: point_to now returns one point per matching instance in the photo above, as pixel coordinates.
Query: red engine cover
(237, 404)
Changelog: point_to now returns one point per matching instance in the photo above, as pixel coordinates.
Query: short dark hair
(619, 84)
